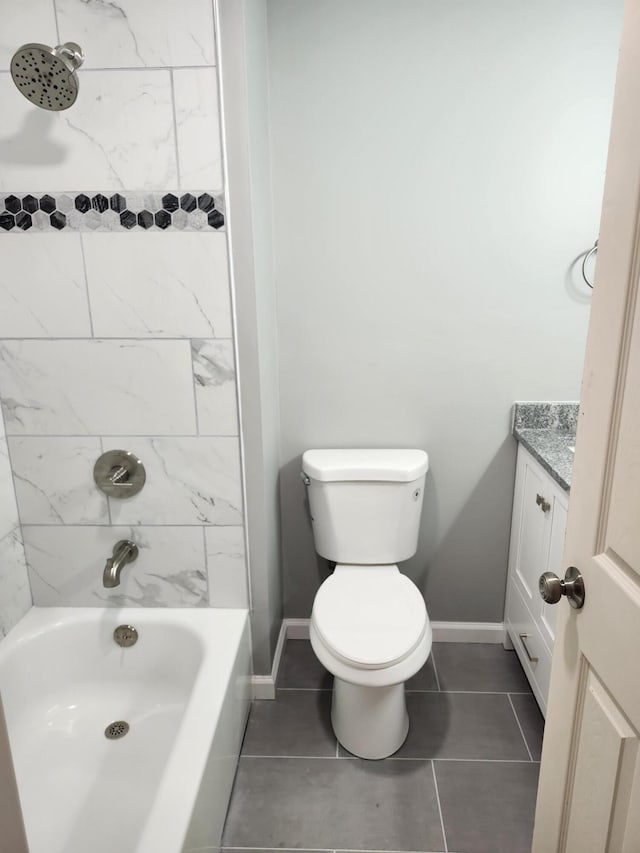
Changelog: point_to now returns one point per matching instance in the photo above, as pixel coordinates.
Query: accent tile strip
(187, 211)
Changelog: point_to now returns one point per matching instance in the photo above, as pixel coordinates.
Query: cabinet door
(553, 562)
(529, 532)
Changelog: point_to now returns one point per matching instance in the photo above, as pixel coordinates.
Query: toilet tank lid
(333, 465)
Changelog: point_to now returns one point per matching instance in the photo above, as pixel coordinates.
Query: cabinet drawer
(521, 624)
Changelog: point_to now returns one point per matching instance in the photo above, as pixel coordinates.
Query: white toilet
(369, 624)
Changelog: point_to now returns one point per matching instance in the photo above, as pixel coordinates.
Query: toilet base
(371, 722)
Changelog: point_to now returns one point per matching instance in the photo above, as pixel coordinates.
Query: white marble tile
(8, 508)
(26, 23)
(15, 594)
(215, 378)
(97, 387)
(42, 288)
(66, 565)
(226, 567)
(198, 127)
(119, 134)
(189, 481)
(158, 284)
(132, 33)
(54, 480)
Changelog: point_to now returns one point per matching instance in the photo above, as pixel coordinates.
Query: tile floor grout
(329, 850)
(435, 669)
(435, 782)
(392, 758)
(407, 690)
(515, 714)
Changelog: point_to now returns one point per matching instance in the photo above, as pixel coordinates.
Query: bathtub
(184, 690)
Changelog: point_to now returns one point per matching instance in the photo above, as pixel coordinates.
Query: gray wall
(242, 30)
(437, 169)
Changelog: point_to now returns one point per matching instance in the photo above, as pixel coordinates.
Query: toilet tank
(365, 504)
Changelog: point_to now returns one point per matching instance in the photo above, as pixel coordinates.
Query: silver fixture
(589, 254)
(125, 636)
(552, 588)
(124, 552)
(116, 730)
(305, 478)
(119, 474)
(544, 505)
(523, 640)
(47, 75)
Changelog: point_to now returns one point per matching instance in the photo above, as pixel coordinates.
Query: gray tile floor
(464, 781)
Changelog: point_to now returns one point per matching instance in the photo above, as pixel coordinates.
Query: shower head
(47, 75)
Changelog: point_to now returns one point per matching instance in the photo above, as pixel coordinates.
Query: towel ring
(584, 263)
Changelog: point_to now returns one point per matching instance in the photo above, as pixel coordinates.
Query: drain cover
(116, 730)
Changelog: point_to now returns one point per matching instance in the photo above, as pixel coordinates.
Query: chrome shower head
(47, 75)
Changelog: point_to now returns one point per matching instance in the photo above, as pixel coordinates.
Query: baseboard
(468, 632)
(264, 686)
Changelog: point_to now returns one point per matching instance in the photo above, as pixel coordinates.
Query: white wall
(123, 339)
(437, 169)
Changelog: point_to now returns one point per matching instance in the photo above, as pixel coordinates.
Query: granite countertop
(548, 431)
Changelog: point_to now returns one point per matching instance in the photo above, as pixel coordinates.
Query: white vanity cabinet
(537, 539)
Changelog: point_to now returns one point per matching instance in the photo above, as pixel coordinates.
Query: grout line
(143, 339)
(477, 692)
(113, 435)
(86, 70)
(193, 385)
(304, 757)
(175, 129)
(456, 692)
(107, 498)
(308, 689)
(435, 782)
(206, 566)
(55, 17)
(393, 758)
(520, 727)
(485, 760)
(86, 286)
(433, 661)
(320, 849)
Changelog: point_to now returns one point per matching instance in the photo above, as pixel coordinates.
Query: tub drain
(116, 730)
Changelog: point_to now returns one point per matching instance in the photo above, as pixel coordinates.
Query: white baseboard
(264, 686)
(468, 632)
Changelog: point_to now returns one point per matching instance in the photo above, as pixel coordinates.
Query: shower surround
(116, 325)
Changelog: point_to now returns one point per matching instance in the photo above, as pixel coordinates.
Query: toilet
(369, 624)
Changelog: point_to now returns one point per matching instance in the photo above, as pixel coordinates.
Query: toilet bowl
(372, 634)
(369, 624)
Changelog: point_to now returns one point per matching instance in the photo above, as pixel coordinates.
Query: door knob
(552, 588)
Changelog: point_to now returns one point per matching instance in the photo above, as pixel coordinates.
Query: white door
(589, 794)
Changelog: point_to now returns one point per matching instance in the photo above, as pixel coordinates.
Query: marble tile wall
(147, 114)
(15, 597)
(120, 339)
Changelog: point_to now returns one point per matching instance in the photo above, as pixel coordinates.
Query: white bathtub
(183, 688)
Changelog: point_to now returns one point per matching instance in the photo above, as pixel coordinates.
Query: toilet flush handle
(305, 478)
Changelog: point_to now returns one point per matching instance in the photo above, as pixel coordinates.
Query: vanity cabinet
(538, 528)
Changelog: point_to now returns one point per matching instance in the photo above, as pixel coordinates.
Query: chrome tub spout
(124, 552)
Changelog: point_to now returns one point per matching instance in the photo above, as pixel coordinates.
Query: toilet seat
(370, 617)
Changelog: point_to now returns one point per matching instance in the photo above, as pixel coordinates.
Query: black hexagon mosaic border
(111, 211)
